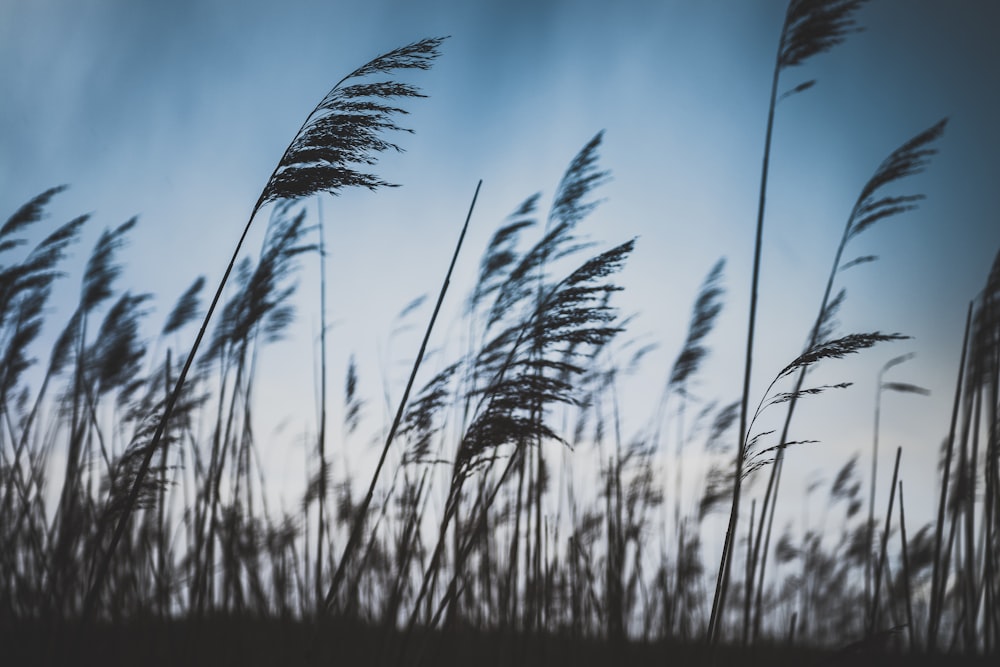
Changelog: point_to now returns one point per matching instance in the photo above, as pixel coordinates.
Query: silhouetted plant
(811, 27)
(510, 551)
(343, 130)
(871, 206)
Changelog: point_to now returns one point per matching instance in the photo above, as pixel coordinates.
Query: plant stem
(906, 568)
(873, 615)
(321, 438)
(936, 579)
(363, 509)
(722, 582)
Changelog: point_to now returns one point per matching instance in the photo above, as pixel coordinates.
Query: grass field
(512, 516)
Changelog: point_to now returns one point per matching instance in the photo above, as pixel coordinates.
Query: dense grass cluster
(132, 500)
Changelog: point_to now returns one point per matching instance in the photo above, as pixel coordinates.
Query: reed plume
(811, 27)
(343, 131)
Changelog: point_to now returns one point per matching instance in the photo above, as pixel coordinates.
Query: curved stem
(355, 535)
(722, 581)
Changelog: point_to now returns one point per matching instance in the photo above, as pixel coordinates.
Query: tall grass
(514, 512)
(810, 27)
(342, 134)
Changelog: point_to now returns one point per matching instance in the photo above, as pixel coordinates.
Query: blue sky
(178, 112)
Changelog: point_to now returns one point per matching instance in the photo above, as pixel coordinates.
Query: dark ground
(246, 642)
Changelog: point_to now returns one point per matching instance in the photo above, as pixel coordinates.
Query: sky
(177, 112)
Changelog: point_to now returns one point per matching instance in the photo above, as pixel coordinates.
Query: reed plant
(515, 512)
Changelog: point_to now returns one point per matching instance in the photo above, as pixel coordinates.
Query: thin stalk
(870, 532)
(773, 482)
(748, 581)
(873, 615)
(936, 585)
(970, 597)
(515, 541)
(945, 569)
(906, 569)
(990, 629)
(871, 498)
(774, 479)
(722, 581)
(537, 585)
(163, 589)
(321, 437)
(355, 535)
